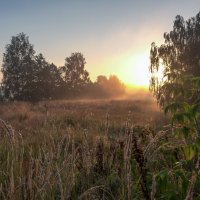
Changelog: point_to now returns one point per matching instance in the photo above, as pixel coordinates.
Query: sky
(114, 36)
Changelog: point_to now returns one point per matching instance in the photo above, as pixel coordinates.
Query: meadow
(93, 115)
(78, 149)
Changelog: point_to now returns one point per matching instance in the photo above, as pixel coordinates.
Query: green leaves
(185, 122)
(189, 152)
(172, 184)
(178, 117)
(183, 113)
(173, 108)
(194, 109)
(182, 131)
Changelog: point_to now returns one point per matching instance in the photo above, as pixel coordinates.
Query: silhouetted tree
(102, 80)
(26, 76)
(74, 73)
(17, 68)
(56, 82)
(47, 82)
(180, 57)
(30, 77)
(116, 87)
(109, 87)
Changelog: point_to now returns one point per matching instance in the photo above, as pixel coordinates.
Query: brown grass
(28, 118)
(77, 149)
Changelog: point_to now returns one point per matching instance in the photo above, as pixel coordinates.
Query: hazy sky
(113, 35)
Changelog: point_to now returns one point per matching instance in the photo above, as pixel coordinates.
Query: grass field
(79, 149)
(92, 115)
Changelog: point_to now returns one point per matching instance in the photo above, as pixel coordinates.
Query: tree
(180, 58)
(18, 63)
(116, 87)
(56, 83)
(102, 80)
(110, 87)
(28, 77)
(74, 73)
(179, 92)
(47, 80)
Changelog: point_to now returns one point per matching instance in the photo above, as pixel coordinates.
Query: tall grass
(74, 157)
(64, 168)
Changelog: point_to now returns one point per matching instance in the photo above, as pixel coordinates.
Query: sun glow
(136, 71)
(137, 74)
(131, 68)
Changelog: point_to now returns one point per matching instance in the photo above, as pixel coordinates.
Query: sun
(140, 70)
(132, 69)
(136, 70)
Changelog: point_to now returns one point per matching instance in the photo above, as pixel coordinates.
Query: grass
(93, 115)
(81, 150)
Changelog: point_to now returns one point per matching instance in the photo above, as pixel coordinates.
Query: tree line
(29, 77)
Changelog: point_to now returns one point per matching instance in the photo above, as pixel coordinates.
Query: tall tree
(180, 58)
(46, 82)
(47, 79)
(18, 62)
(26, 76)
(74, 73)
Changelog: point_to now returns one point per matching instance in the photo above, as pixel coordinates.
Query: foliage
(105, 87)
(185, 126)
(48, 82)
(179, 56)
(112, 86)
(18, 67)
(27, 76)
(178, 93)
(74, 73)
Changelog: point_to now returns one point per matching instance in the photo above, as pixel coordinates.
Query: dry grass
(78, 150)
(26, 117)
